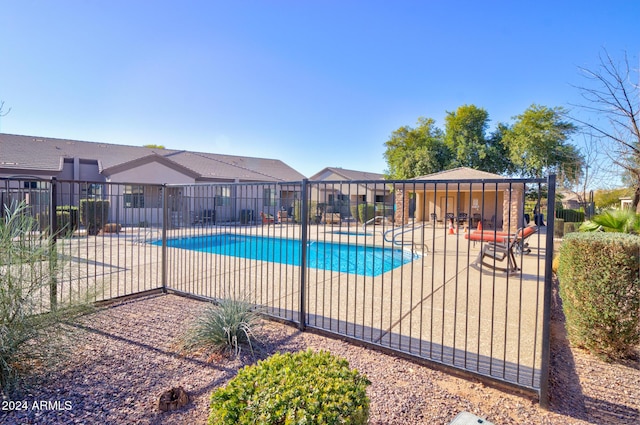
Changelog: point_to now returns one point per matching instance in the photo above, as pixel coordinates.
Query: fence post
(304, 218)
(165, 219)
(53, 248)
(546, 314)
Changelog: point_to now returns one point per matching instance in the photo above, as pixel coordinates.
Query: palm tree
(620, 221)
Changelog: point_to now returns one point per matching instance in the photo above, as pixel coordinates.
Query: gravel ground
(126, 357)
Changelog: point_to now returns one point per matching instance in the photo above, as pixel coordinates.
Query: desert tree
(613, 94)
(2, 112)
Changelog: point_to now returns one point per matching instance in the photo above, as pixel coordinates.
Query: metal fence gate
(433, 269)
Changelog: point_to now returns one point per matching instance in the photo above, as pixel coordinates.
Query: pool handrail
(372, 220)
(399, 231)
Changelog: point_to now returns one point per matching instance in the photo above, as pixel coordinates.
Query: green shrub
(570, 227)
(353, 208)
(67, 217)
(94, 213)
(297, 211)
(558, 228)
(571, 216)
(31, 318)
(67, 220)
(225, 326)
(366, 212)
(600, 291)
(301, 388)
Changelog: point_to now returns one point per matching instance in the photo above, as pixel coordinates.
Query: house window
(134, 196)
(379, 198)
(223, 196)
(268, 197)
(34, 185)
(92, 190)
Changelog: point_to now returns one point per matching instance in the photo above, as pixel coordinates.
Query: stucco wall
(152, 172)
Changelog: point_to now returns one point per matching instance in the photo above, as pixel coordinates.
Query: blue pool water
(347, 258)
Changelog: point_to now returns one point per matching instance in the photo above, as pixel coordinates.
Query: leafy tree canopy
(412, 152)
(466, 137)
(611, 198)
(538, 143)
(152, 146)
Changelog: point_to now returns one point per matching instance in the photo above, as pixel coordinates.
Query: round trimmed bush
(305, 387)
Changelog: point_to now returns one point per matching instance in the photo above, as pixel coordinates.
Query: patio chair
(463, 218)
(450, 217)
(502, 248)
(476, 218)
(489, 224)
(267, 218)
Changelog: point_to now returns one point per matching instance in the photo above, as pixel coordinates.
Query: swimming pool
(347, 258)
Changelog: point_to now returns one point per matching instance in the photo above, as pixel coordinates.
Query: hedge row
(93, 214)
(600, 290)
(570, 216)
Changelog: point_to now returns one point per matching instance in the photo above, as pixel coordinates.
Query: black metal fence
(437, 270)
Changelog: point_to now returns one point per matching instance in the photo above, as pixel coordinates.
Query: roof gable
(461, 173)
(135, 163)
(346, 174)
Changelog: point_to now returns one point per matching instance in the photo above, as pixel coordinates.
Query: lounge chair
(267, 218)
(331, 218)
(283, 217)
(501, 248)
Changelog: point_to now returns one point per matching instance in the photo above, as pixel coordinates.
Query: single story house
(484, 197)
(129, 175)
(339, 189)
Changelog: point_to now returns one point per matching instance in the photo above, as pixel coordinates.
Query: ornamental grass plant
(225, 326)
(33, 312)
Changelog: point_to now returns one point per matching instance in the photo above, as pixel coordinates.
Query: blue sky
(313, 83)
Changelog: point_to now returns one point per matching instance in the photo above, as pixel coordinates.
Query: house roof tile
(348, 174)
(19, 152)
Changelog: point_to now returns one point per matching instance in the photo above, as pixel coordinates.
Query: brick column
(402, 206)
(513, 209)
